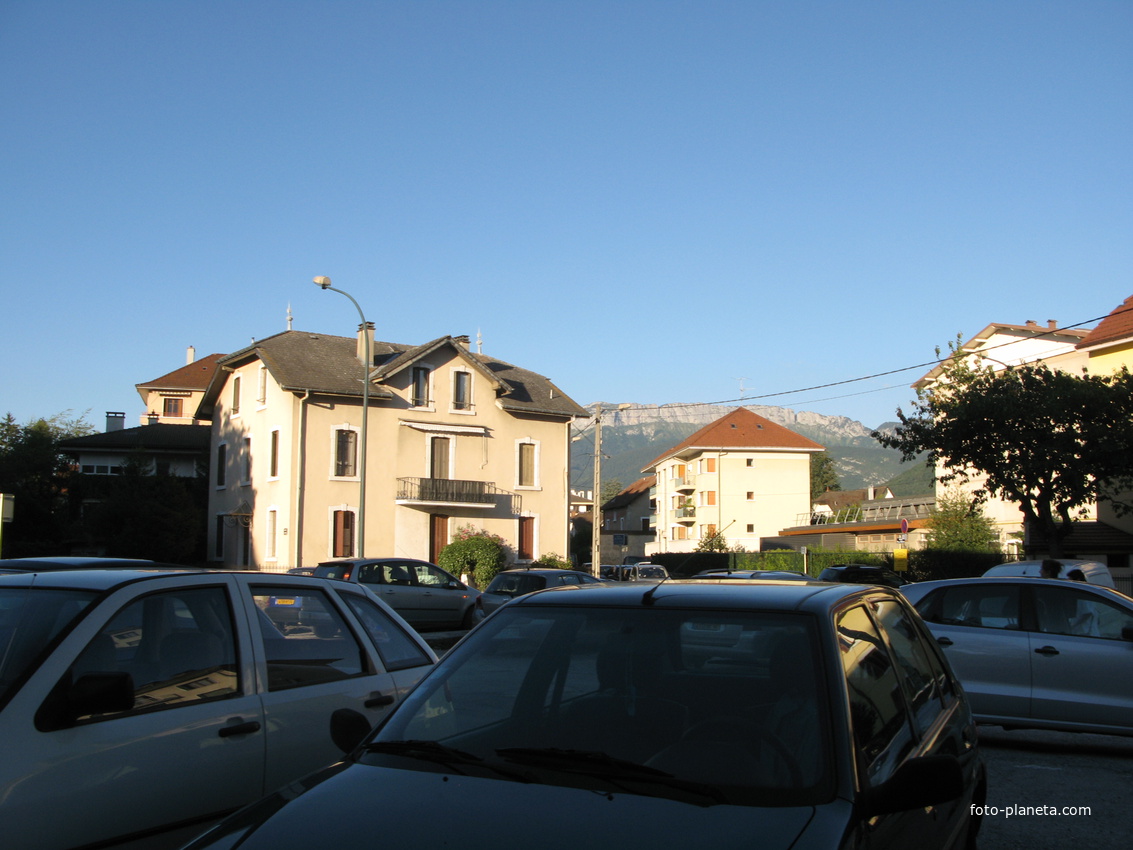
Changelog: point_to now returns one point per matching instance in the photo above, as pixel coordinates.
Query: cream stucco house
(454, 438)
(742, 476)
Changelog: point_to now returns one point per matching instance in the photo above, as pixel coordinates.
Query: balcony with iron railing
(449, 491)
(686, 513)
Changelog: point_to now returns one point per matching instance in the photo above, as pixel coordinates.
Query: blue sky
(647, 202)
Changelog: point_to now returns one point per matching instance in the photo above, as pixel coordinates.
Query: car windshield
(723, 706)
(516, 585)
(30, 618)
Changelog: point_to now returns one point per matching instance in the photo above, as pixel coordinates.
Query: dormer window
(462, 391)
(419, 391)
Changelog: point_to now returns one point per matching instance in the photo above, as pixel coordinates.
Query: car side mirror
(348, 728)
(919, 782)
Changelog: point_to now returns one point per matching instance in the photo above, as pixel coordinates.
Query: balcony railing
(683, 482)
(448, 490)
(685, 514)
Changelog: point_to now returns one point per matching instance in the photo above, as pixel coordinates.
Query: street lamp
(324, 282)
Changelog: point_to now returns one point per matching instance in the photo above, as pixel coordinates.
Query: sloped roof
(192, 376)
(1116, 327)
(160, 437)
(740, 429)
(301, 361)
(630, 493)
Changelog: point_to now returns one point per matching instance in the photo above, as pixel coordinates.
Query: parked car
(745, 714)
(509, 584)
(641, 571)
(81, 562)
(1093, 571)
(287, 611)
(861, 574)
(1036, 653)
(774, 575)
(132, 701)
(424, 594)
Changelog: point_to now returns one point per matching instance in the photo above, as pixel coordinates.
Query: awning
(441, 428)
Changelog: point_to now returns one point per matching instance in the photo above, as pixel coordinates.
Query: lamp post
(324, 282)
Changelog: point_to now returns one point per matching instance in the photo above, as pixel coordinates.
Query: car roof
(542, 571)
(72, 562)
(101, 580)
(722, 594)
(918, 589)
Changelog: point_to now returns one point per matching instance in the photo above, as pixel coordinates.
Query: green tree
(823, 475)
(34, 471)
(713, 542)
(1049, 441)
(959, 525)
(610, 489)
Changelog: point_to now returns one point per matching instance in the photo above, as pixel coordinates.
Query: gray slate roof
(301, 361)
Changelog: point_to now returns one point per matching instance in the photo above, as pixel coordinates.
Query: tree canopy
(1049, 441)
(959, 525)
(823, 475)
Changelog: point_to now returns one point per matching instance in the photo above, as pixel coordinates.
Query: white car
(1092, 571)
(133, 701)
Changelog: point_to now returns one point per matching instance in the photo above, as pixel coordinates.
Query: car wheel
(472, 616)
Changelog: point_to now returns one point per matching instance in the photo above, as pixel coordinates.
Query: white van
(1095, 573)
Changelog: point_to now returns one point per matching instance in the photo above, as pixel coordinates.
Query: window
(396, 648)
(708, 497)
(710, 464)
(235, 394)
(440, 457)
(221, 465)
(877, 711)
(419, 392)
(751, 495)
(749, 461)
(750, 528)
(171, 406)
(645, 523)
(991, 607)
(328, 652)
(461, 390)
(918, 675)
(218, 543)
(269, 545)
(345, 453)
(247, 479)
(343, 543)
(178, 647)
(709, 530)
(680, 533)
(262, 385)
(273, 464)
(525, 551)
(527, 476)
(1066, 611)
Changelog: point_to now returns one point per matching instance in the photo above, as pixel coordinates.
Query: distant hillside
(634, 435)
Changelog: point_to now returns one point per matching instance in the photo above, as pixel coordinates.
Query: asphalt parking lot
(1056, 790)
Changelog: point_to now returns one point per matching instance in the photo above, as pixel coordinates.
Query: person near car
(1050, 568)
(1085, 621)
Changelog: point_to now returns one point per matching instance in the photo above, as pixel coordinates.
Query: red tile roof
(193, 376)
(1116, 327)
(741, 429)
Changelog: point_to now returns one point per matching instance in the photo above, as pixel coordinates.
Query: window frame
(337, 461)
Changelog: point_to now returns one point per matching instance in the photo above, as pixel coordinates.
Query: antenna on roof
(479, 342)
(742, 388)
(289, 315)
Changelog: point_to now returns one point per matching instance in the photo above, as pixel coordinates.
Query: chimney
(190, 355)
(870, 493)
(153, 418)
(464, 341)
(115, 421)
(1031, 323)
(365, 336)
(1052, 324)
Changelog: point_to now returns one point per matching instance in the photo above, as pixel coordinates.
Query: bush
(554, 561)
(475, 552)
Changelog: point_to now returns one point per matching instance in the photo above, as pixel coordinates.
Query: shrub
(476, 552)
(554, 561)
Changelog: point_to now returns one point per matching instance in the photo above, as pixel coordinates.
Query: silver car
(1036, 653)
(510, 584)
(422, 593)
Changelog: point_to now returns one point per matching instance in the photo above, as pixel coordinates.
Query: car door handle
(379, 700)
(246, 728)
(943, 641)
(1047, 650)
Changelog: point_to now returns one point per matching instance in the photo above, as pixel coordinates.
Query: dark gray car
(509, 584)
(680, 714)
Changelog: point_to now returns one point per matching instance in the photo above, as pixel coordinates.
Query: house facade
(628, 522)
(173, 398)
(454, 438)
(743, 477)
